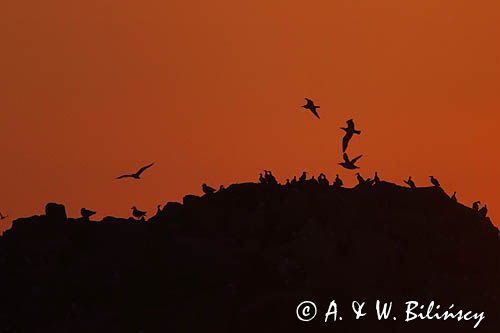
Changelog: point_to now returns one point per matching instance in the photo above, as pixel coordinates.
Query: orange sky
(211, 91)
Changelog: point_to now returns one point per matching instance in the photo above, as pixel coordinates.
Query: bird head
(133, 207)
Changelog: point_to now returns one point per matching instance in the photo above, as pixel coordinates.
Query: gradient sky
(211, 91)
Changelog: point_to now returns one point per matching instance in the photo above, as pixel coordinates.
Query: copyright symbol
(306, 311)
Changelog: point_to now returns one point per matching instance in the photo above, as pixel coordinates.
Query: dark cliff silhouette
(243, 258)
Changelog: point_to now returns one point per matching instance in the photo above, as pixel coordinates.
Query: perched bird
(3, 217)
(137, 213)
(475, 205)
(350, 164)
(483, 211)
(136, 175)
(310, 106)
(454, 197)
(86, 214)
(338, 182)
(287, 182)
(434, 181)
(294, 180)
(410, 182)
(262, 180)
(221, 188)
(349, 131)
(360, 179)
(158, 210)
(207, 189)
(303, 177)
(376, 179)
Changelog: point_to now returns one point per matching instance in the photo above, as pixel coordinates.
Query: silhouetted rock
(55, 212)
(242, 259)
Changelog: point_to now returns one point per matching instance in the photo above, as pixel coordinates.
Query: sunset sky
(211, 91)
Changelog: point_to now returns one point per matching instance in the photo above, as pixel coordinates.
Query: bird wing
(313, 110)
(124, 176)
(309, 102)
(355, 159)
(141, 170)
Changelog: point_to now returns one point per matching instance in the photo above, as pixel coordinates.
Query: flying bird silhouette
(3, 217)
(86, 214)
(207, 189)
(434, 181)
(138, 213)
(349, 132)
(410, 182)
(350, 164)
(136, 175)
(311, 107)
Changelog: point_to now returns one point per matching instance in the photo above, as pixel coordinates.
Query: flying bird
(3, 217)
(311, 107)
(138, 213)
(207, 189)
(434, 181)
(350, 164)
(136, 175)
(349, 132)
(410, 182)
(86, 214)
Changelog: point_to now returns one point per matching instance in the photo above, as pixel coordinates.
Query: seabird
(360, 179)
(349, 131)
(350, 164)
(434, 181)
(207, 189)
(262, 180)
(310, 106)
(138, 213)
(86, 214)
(475, 205)
(483, 211)
(3, 217)
(338, 182)
(158, 210)
(454, 196)
(136, 175)
(410, 182)
(303, 177)
(376, 179)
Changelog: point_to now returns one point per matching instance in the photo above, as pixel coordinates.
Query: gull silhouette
(475, 205)
(454, 197)
(349, 132)
(137, 213)
(360, 179)
(3, 217)
(484, 211)
(136, 175)
(311, 107)
(350, 164)
(338, 182)
(86, 214)
(376, 179)
(434, 181)
(207, 189)
(410, 182)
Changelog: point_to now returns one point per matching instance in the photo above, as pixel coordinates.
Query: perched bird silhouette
(294, 180)
(262, 180)
(86, 214)
(349, 132)
(376, 179)
(303, 177)
(137, 213)
(454, 196)
(483, 211)
(360, 179)
(158, 209)
(434, 181)
(311, 107)
(221, 188)
(207, 189)
(410, 182)
(3, 217)
(338, 182)
(475, 205)
(136, 175)
(350, 164)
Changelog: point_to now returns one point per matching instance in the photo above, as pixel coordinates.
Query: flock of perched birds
(268, 178)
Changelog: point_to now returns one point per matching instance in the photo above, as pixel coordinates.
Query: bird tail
(357, 132)
(317, 106)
